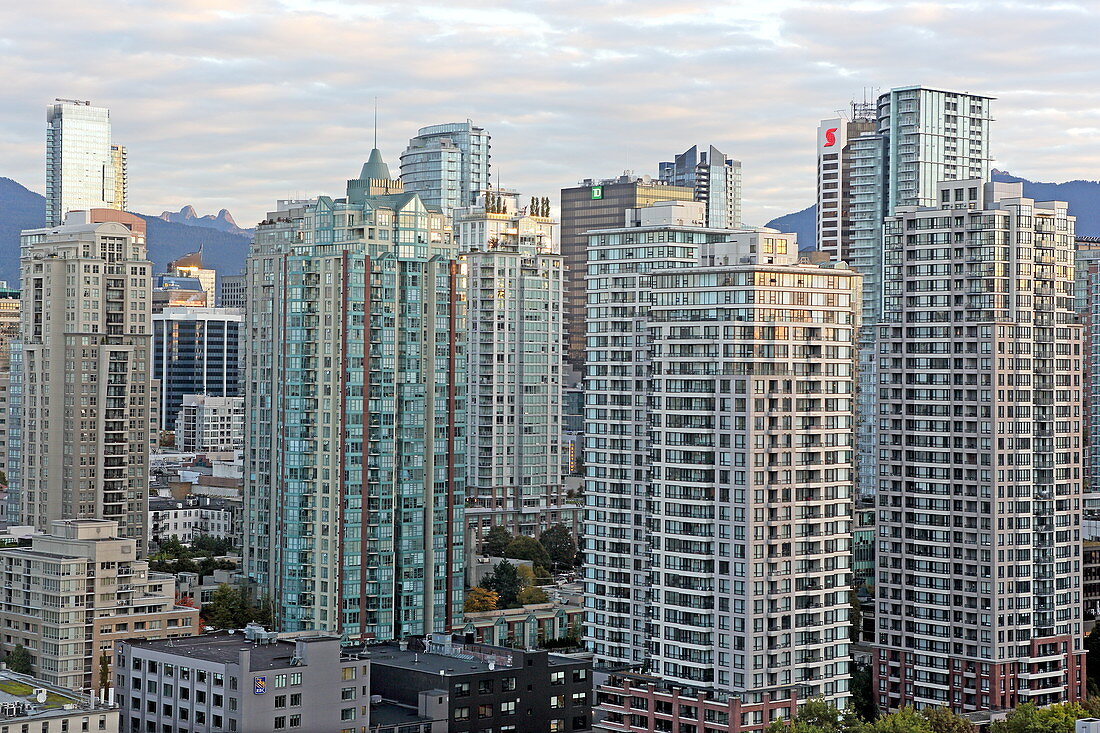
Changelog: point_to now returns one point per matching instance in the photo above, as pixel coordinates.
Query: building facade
(70, 595)
(716, 179)
(355, 402)
(599, 204)
(447, 165)
(232, 292)
(979, 493)
(196, 351)
(195, 516)
(81, 165)
(9, 332)
(513, 275)
(837, 171)
(207, 424)
(242, 682)
(85, 337)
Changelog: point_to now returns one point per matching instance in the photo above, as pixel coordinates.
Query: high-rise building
(355, 398)
(837, 171)
(979, 492)
(447, 165)
(718, 507)
(76, 591)
(599, 205)
(1087, 305)
(206, 424)
(190, 265)
(513, 278)
(118, 162)
(9, 332)
(232, 292)
(196, 351)
(716, 179)
(82, 166)
(85, 410)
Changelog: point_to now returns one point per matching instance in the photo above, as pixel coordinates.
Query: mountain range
(1083, 198)
(225, 244)
(223, 249)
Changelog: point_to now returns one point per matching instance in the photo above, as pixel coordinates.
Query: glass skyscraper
(355, 391)
(716, 179)
(82, 167)
(447, 165)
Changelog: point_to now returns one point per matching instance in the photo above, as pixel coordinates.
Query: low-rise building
(186, 519)
(484, 687)
(242, 682)
(68, 596)
(528, 627)
(30, 704)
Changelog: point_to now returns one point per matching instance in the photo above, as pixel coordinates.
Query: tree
(227, 608)
(497, 539)
(863, 693)
(526, 575)
(855, 616)
(480, 599)
(1028, 718)
(560, 545)
(536, 208)
(527, 548)
(545, 206)
(532, 594)
(942, 720)
(104, 671)
(906, 720)
(264, 613)
(505, 582)
(19, 660)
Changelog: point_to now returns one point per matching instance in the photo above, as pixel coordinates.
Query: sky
(236, 103)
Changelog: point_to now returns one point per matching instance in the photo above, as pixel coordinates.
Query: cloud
(238, 102)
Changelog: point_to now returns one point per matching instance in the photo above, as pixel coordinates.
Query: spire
(375, 168)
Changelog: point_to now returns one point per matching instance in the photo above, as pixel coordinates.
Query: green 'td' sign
(597, 192)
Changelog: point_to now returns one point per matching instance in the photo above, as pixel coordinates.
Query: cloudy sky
(235, 103)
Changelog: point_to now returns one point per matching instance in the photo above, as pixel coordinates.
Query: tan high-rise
(85, 412)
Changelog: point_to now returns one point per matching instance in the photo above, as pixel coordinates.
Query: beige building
(74, 592)
(85, 416)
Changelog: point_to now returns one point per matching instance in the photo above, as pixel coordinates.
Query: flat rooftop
(388, 713)
(223, 647)
(18, 690)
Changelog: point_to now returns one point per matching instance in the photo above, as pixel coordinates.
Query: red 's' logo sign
(830, 137)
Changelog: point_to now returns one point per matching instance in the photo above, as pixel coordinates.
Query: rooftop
(458, 658)
(224, 647)
(388, 713)
(24, 697)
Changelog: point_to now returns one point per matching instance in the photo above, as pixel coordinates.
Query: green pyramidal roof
(375, 168)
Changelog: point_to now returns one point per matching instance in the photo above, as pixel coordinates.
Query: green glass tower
(355, 384)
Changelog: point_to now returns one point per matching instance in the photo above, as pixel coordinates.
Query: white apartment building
(208, 424)
(514, 275)
(85, 409)
(980, 454)
(82, 167)
(751, 406)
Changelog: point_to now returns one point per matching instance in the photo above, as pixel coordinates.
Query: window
(557, 701)
(508, 708)
(280, 680)
(348, 673)
(280, 701)
(580, 698)
(347, 714)
(347, 693)
(462, 689)
(462, 713)
(485, 687)
(557, 678)
(295, 699)
(557, 724)
(296, 677)
(580, 722)
(508, 684)
(295, 721)
(280, 722)
(579, 675)
(484, 711)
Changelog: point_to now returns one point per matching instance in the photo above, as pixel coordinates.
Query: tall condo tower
(716, 178)
(979, 487)
(514, 355)
(86, 403)
(355, 406)
(447, 165)
(82, 166)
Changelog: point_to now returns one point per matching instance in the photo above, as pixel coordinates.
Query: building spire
(376, 123)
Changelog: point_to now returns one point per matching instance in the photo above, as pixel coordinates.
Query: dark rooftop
(388, 713)
(223, 647)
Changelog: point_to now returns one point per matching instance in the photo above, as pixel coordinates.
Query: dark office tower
(599, 205)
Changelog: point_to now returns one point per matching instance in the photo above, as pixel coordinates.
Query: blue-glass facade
(355, 468)
(195, 351)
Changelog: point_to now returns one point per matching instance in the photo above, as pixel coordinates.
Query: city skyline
(568, 80)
